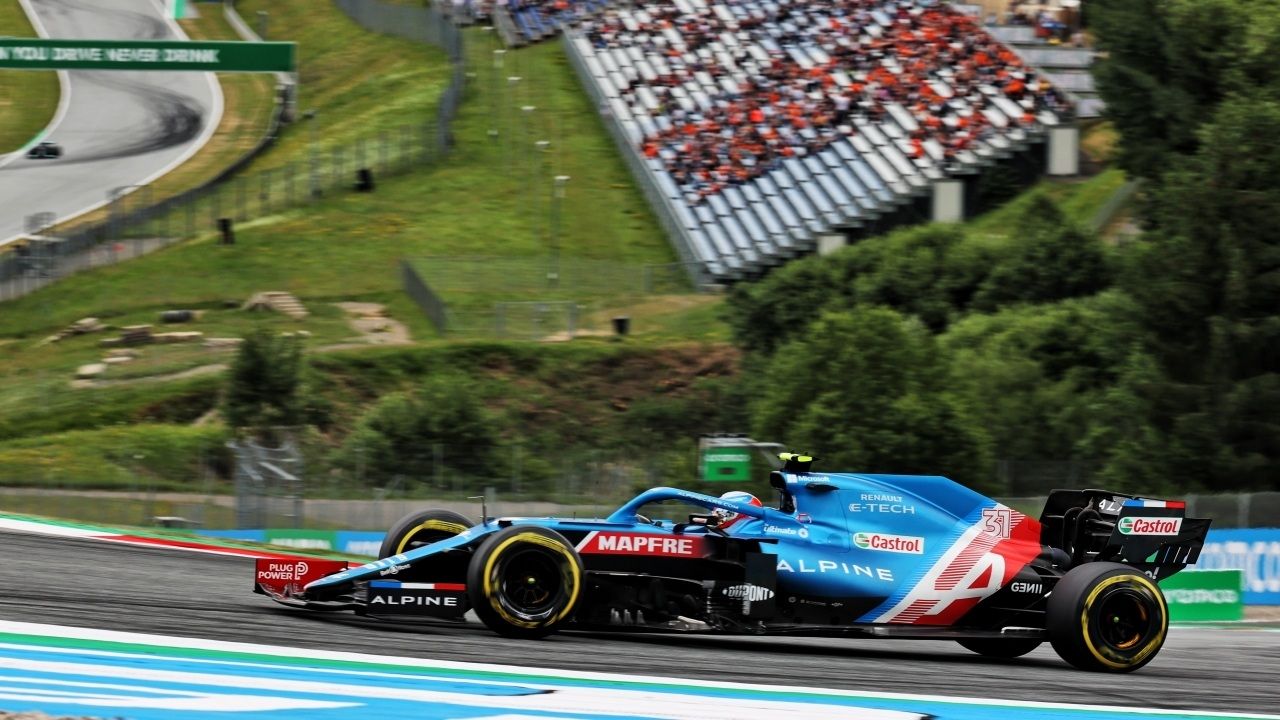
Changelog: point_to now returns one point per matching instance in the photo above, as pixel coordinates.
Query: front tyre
(422, 528)
(524, 582)
(1107, 617)
(1002, 648)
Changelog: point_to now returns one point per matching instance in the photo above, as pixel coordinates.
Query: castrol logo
(1149, 526)
(889, 543)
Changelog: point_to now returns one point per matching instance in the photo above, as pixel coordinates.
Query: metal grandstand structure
(863, 183)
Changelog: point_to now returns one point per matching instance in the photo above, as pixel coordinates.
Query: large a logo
(889, 543)
(1149, 526)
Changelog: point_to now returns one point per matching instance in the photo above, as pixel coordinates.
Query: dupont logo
(750, 593)
(889, 543)
(1149, 526)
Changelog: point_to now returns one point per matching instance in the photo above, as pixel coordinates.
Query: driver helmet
(728, 517)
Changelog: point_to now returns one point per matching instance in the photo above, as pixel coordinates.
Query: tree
(931, 272)
(1035, 376)
(866, 389)
(1166, 65)
(1208, 280)
(1048, 259)
(398, 436)
(262, 389)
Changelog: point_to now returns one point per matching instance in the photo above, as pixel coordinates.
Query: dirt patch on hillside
(374, 325)
(166, 377)
(578, 399)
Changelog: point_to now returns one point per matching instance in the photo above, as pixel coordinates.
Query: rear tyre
(524, 582)
(1107, 617)
(1000, 647)
(422, 528)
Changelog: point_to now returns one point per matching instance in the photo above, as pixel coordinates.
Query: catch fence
(533, 298)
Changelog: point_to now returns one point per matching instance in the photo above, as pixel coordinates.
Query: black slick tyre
(524, 581)
(422, 528)
(1000, 647)
(1107, 617)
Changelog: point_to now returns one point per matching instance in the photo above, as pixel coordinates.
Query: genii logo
(1149, 526)
(889, 543)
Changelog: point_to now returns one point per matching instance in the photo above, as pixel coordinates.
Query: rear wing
(1154, 536)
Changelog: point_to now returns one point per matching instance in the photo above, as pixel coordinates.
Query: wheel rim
(531, 584)
(428, 532)
(1125, 620)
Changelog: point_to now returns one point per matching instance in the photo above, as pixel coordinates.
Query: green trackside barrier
(1205, 595)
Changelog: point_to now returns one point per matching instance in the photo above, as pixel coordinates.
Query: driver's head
(728, 517)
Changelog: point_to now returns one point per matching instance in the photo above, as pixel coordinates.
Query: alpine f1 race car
(45, 151)
(843, 554)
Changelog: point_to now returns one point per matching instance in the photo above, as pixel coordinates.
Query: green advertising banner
(726, 464)
(31, 54)
(309, 539)
(1205, 595)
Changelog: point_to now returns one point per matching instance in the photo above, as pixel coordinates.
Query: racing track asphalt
(116, 128)
(90, 583)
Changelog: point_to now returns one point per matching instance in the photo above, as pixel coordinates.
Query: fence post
(339, 155)
(382, 150)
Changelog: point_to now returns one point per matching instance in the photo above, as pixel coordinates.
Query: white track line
(113, 636)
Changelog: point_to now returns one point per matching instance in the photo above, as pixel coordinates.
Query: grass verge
(359, 82)
(28, 99)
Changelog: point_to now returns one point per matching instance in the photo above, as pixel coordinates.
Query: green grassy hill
(28, 99)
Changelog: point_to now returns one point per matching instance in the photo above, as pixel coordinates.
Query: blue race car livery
(843, 554)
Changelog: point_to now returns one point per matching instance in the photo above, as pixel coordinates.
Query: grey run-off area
(88, 583)
(117, 129)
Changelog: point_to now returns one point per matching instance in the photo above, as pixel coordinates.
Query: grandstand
(760, 130)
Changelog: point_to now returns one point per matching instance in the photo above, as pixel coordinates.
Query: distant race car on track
(45, 151)
(843, 554)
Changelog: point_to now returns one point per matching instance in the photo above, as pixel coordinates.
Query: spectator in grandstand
(816, 71)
